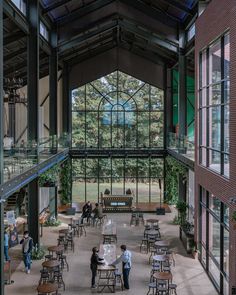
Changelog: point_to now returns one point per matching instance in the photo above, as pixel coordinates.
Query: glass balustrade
(25, 154)
(182, 145)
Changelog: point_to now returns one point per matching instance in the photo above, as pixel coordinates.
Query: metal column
(66, 111)
(33, 211)
(53, 70)
(33, 126)
(182, 111)
(1, 154)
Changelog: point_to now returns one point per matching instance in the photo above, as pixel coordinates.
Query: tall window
(214, 85)
(117, 111)
(214, 239)
(92, 176)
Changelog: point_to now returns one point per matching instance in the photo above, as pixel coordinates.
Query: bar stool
(81, 229)
(57, 277)
(172, 288)
(118, 279)
(144, 244)
(63, 261)
(44, 276)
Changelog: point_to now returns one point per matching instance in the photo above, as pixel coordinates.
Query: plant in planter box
(38, 253)
(52, 221)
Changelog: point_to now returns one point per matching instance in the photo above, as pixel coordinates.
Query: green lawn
(117, 188)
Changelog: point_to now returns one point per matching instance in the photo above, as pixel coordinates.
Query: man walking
(27, 246)
(125, 258)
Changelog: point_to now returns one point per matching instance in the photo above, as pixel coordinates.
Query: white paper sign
(11, 217)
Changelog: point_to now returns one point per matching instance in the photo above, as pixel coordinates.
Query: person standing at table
(125, 258)
(27, 246)
(86, 211)
(94, 262)
(6, 245)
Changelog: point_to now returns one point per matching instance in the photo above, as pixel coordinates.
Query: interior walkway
(188, 273)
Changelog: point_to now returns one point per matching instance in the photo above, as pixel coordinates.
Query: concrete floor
(188, 274)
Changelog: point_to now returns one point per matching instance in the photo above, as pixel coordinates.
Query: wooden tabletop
(109, 229)
(56, 248)
(160, 257)
(162, 275)
(51, 263)
(47, 288)
(162, 243)
(63, 231)
(152, 220)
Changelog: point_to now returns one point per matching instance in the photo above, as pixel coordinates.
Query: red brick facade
(219, 17)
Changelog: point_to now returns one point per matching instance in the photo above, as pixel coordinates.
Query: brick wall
(219, 16)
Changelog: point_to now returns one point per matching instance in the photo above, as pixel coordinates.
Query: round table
(47, 288)
(162, 275)
(162, 243)
(152, 220)
(160, 258)
(64, 231)
(51, 263)
(56, 248)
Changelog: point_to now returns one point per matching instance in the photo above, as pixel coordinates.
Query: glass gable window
(214, 239)
(117, 111)
(214, 85)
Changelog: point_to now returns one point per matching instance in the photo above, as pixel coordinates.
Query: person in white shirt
(125, 258)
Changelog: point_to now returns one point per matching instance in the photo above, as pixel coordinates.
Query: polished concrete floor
(187, 274)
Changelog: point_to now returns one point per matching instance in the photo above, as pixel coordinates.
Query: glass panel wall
(117, 111)
(214, 86)
(214, 239)
(91, 176)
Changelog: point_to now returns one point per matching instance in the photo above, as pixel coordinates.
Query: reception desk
(117, 202)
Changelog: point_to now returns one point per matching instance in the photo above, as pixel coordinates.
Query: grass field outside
(93, 190)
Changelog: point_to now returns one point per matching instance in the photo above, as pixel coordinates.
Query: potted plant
(37, 253)
(128, 191)
(192, 248)
(107, 192)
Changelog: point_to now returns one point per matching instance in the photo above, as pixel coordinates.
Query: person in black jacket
(94, 262)
(86, 211)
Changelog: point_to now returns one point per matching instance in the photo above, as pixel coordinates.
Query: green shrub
(38, 253)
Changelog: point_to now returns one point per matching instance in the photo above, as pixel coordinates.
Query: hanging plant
(49, 177)
(173, 170)
(65, 182)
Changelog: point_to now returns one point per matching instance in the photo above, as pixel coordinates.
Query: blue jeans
(27, 260)
(126, 277)
(7, 258)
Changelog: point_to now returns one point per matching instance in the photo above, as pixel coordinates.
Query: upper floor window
(191, 32)
(214, 86)
(44, 31)
(21, 5)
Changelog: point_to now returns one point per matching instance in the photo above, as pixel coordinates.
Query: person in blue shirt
(125, 258)
(6, 245)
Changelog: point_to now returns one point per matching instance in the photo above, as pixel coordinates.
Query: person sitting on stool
(125, 258)
(87, 210)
